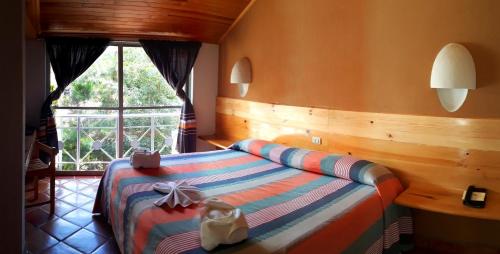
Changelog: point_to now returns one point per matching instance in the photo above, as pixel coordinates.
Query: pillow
(342, 166)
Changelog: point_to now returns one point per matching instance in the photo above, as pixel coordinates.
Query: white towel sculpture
(177, 194)
(221, 223)
(145, 159)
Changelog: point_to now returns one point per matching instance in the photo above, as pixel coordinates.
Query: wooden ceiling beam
(193, 29)
(183, 23)
(48, 17)
(227, 13)
(97, 11)
(127, 35)
(203, 20)
(33, 17)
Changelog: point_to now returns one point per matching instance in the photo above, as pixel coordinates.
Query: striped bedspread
(294, 200)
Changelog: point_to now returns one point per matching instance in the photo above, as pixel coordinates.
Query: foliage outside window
(89, 137)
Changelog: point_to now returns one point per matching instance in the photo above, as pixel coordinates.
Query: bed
(294, 200)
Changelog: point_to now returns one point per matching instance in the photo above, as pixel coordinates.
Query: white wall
(35, 80)
(205, 83)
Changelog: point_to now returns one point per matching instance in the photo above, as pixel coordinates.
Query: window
(120, 103)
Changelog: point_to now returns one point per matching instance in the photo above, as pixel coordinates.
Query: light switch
(316, 140)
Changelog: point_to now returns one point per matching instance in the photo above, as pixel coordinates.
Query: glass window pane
(143, 84)
(155, 130)
(87, 138)
(97, 140)
(96, 87)
(67, 134)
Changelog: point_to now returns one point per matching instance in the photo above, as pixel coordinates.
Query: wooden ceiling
(203, 20)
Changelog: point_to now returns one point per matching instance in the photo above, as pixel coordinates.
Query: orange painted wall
(372, 56)
(363, 55)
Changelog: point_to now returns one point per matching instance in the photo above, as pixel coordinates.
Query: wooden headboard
(449, 152)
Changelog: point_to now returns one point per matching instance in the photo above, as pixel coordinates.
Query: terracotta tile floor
(72, 228)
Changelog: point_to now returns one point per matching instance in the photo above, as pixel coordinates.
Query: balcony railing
(91, 141)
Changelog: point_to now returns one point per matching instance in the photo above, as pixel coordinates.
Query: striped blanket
(294, 200)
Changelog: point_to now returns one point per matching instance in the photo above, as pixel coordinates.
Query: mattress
(294, 200)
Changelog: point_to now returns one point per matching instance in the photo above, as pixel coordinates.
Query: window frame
(120, 108)
(120, 45)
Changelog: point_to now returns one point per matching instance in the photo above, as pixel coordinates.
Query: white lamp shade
(241, 72)
(452, 99)
(453, 68)
(453, 73)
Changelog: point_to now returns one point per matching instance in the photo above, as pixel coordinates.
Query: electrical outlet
(316, 140)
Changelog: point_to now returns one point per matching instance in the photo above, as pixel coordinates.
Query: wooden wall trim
(449, 152)
(464, 133)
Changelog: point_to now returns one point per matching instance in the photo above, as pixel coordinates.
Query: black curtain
(69, 57)
(174, 60)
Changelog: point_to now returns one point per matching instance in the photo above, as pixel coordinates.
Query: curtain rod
(124, 43)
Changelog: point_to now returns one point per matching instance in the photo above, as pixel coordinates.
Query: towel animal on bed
(177, 193)
(142, 158)
(221, 223)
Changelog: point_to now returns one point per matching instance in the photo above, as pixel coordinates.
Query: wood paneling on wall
(448, 152)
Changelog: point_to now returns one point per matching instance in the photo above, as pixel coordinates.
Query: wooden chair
(38, 169)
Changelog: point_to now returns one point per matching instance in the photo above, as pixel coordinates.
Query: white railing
(91, 141)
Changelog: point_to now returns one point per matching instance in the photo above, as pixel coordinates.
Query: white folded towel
(145, 159)
(177, 194)
(221, 223)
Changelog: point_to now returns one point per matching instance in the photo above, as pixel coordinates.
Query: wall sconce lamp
(453, 74)
(241, 74)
